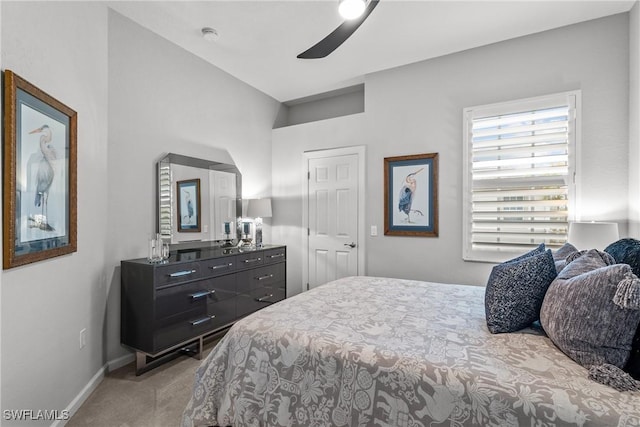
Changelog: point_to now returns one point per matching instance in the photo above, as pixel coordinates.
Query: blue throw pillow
(633, 365)
(540, 249)
(627, 251)
(515, 291)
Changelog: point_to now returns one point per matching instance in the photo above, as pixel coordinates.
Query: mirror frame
(179, 159)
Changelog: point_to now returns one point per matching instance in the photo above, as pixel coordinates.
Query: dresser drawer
(250, 260)
(275, 255)
(183, 329)
(259, 277)
(191, 296)
(224, 311)
(257, 299)
(176, 273)
(222, 284)
(218, 266)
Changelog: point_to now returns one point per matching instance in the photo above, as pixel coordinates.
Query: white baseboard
(93, 383)
(121, 361)
(82, 396)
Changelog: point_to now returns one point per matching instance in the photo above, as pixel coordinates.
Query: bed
(366, 351)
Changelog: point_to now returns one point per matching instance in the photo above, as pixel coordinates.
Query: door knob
(351, 245)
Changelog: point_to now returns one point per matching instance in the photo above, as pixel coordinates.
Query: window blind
(519, 178)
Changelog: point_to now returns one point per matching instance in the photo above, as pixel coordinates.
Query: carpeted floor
(153, 399)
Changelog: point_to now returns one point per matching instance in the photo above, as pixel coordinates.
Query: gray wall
(327, 106)
(418, 109)
(62, 49)
(634, 125)
(164, 99)
(137, 97)
(288, 145)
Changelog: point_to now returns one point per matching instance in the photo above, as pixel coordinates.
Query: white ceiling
(259, 40)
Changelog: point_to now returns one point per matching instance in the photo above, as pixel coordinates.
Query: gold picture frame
(40, 175)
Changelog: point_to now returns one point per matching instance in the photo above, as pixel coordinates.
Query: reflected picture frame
(411, 195)
(40, 174)
(188, 205)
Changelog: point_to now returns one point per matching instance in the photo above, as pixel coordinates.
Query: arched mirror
(198, 200)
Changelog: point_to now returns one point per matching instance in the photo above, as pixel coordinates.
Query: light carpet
(153, 399)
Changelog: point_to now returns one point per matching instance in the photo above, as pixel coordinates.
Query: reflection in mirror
(220, 198)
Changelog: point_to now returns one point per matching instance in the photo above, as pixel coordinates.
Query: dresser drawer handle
(217, 267)
(201, 321)
(252, 260)
(276, 256)
(181, 273)
(268, 276)
(202, 294)
(262, 299)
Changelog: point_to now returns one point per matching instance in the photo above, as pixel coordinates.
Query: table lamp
(258, 209)
(592, 235)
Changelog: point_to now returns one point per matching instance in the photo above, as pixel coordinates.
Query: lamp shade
(259, 208)
(592, 235)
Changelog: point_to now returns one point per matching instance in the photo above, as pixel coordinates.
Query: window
(519, 175)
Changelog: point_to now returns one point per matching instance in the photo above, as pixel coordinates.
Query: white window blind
(519, 176)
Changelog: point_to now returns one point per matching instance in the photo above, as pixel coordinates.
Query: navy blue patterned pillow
(540, 249)
(515, 291)
(633, 365)
(626, 251)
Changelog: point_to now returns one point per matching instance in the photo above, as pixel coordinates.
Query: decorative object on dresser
(246, 232)
(158, 249)
(40, 180)
(227, 233)
(259, 209)
(172, 307)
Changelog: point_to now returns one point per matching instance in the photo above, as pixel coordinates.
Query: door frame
(360, 151)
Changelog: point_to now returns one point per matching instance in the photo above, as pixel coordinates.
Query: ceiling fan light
(351, 9)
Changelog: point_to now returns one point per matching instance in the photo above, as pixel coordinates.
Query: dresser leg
(200, 348)
(141, 363)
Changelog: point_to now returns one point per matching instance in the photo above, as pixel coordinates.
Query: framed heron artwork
(188, 197)
(39, 188)
(411, 195)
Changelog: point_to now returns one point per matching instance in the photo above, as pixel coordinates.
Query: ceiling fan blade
(330, 43)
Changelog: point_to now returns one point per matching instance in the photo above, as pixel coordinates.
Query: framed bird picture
(39, 185)
(188, 197)
(411, 195)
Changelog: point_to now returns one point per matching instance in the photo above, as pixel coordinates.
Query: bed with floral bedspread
(366, 351)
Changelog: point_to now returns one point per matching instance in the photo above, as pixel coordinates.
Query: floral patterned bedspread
(365, 351)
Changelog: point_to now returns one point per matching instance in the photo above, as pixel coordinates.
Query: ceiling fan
(338, 36)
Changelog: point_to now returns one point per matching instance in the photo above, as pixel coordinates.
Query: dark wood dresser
(175, 305)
